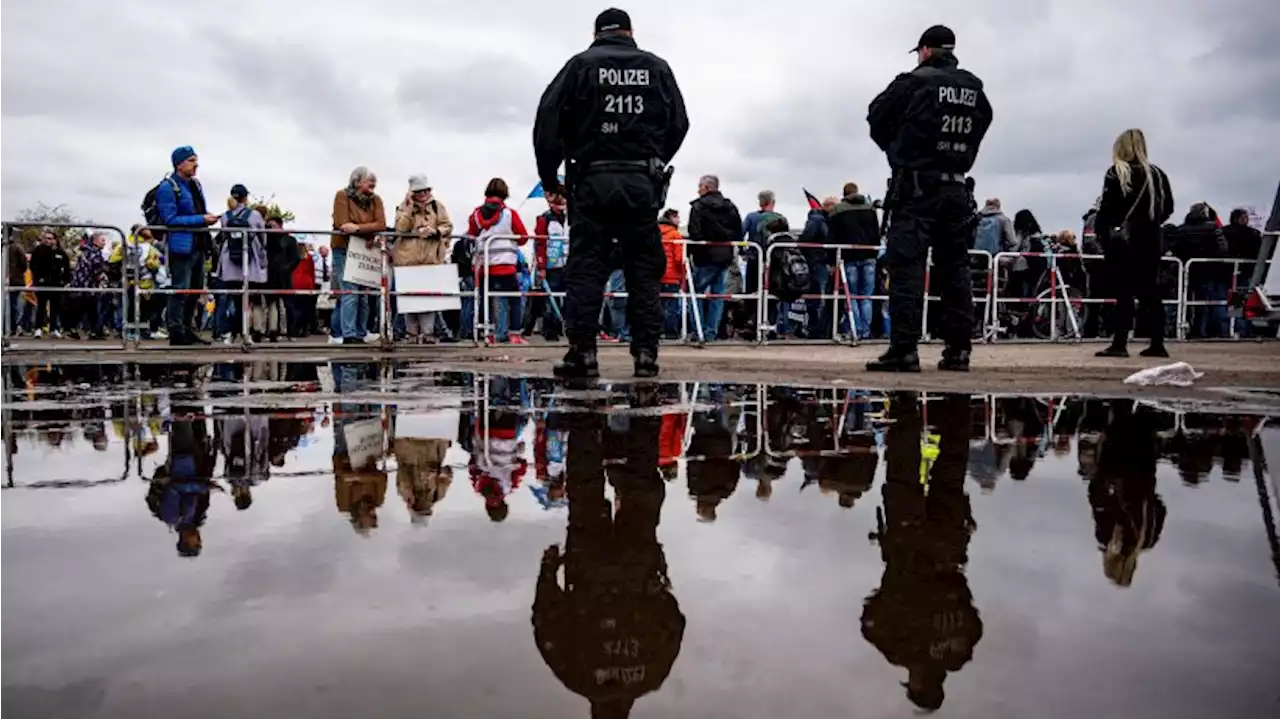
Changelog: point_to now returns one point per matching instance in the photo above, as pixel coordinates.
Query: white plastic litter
(1178, 374)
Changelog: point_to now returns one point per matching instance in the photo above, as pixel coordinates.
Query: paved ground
(996, 368)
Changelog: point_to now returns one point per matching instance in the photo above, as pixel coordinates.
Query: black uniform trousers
(933, 215)
(592, 256)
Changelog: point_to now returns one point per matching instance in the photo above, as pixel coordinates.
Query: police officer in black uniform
(616, 117)
(929, 122)
(922, 616)
(613, 631)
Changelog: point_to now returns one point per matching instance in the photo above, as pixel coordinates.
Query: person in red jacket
(302, 308)
(673, 278)
(499, 232)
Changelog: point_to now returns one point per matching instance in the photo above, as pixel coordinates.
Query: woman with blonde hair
(1136, 201)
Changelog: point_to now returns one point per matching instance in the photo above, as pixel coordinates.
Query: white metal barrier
(1055, 294)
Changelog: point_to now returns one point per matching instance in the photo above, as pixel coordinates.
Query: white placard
(436, 424)
(427, 278)
(364, 264)
(364, 441)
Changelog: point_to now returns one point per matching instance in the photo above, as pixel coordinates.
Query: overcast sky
(288, 96)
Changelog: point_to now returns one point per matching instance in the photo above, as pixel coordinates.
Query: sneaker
(335, 340)
(518, 340)
(228, 340)
(38, 334)
(56, 335)
(159, 335)
(372, 337)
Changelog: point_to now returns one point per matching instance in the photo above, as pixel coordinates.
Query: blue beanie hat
(181, 155)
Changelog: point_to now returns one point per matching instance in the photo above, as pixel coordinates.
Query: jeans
(13, 312)
(819, 321)
(501, 309)
(187, 273)
(861, 276)
(227, 309)
(1213, 320)
(49, 310)
(710, 280)
(671, 311)
(552, 327)
(618, 306)
(467, 311)
(351, 315)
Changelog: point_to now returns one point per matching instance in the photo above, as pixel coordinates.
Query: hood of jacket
(488, 214)
(851, 202)
(713, 201)
(989, 211)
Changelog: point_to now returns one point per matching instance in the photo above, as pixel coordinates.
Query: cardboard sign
(364, 442)
(364, 263)
(427, 278)
(436, 424)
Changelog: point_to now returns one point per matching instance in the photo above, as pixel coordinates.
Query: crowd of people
(188, 280)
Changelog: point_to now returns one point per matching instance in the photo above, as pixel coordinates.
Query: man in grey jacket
(995, 230)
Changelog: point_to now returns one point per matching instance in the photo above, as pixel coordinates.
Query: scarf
(364, 202)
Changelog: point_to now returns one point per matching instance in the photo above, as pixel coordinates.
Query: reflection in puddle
(976, 505)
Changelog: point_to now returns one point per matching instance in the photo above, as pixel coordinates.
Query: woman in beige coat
(428, 220)
(422, 477)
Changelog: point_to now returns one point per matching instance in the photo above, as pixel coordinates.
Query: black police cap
(612, 20)
(938, 36)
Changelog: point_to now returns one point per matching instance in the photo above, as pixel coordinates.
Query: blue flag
(537, 189)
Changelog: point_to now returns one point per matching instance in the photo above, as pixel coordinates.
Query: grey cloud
(488, 93)
(301, 82)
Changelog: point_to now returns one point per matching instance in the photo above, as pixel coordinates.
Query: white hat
(418, 182)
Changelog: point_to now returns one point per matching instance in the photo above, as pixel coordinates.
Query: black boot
(1114, 350)
(579, 363)
(954, 361)
(895, 361)
(1155, 350)
(646, 364)
(645, 395)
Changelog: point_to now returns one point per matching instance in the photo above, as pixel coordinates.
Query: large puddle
(377, 540)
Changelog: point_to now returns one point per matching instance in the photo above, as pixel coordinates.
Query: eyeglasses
(422, 192)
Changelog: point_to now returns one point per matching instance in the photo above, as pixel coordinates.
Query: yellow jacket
(150, 262)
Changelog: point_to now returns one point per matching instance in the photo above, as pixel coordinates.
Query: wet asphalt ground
(344, 538)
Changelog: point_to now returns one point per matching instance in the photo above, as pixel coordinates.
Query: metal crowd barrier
(7, 238)
(384, 291)
(482, 325)
(1184, 319)
(1055, 295)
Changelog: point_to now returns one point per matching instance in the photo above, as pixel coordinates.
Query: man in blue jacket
(180, 203)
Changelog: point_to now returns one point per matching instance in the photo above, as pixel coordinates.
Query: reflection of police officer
(922, 617)
(615, 116)
(929, 122)
(612, 633)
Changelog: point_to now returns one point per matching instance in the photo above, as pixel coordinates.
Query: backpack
(235, 241)
(557, 242)
(463, 255)
(788, 274)
(151, 210)
(987, 238)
